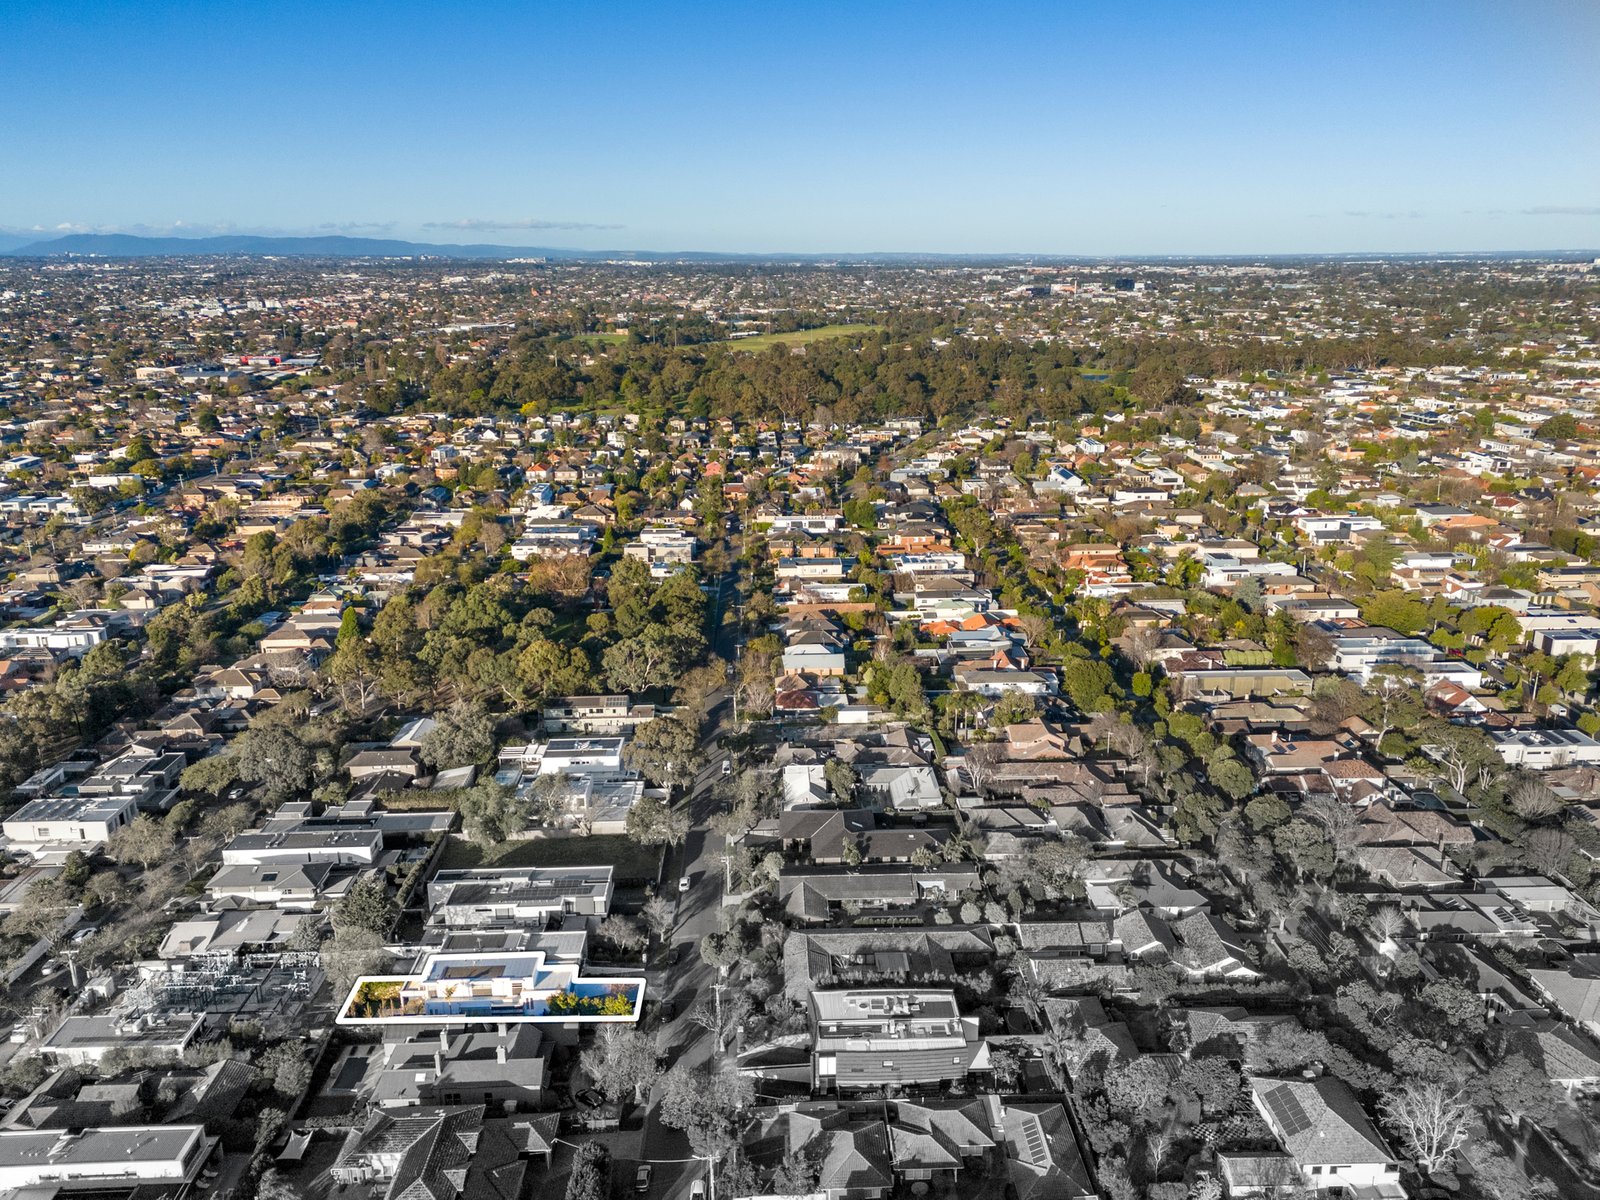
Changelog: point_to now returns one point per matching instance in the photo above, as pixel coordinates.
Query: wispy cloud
(142, 229)
(490, 225)
(1563, 210)
(1413, 215)
(198, 228)
(355, 227)
(62, 228)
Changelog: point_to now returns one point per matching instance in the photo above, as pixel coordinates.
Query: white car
(683, 884)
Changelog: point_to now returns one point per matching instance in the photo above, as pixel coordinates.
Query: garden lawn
(798, 337)
(630, 860)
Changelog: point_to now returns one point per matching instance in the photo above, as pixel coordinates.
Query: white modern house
(121, 1157)
(664, 549)
(1323, 528)
(1359, 652)
(823, 522)
(518, 896)
(582, 756)
(70, 637)
(1539, 749)
(1225, 570)
(1059, 481)
(310, 844)
(506, 988)
(80, 821)
(809, 568)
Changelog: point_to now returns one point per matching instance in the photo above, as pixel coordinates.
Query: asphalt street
(681, 1040)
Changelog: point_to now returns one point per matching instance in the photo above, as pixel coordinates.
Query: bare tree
(755, 691)
(552, 798)
(1102, 726)
(1338, 820)
(1128, 740)
(1549, 850)
(83, 591)
(1335, 702)
(622, 1061)
(1157, 1143)
(623, 932)
(979, 764)
(1314, 646)
(1141, 644)
(1027, 994)
(1035, 628)
(145, 841)
(197, 851)
(721, 1019)
(1430, 1117)
(1531, 800)
(657, 916)
(1386, 922)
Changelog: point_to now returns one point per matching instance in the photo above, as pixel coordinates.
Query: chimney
(438, 1064)
(500, 1053)
(444, 1039)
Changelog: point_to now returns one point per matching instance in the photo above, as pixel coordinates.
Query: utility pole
(711, 1168)
(716, 990)
(738, 657)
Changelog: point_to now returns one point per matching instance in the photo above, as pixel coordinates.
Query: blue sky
(1064, 127)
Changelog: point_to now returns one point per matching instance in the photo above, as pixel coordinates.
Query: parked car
(697, 1190)
(641, 1178)
(683, 884)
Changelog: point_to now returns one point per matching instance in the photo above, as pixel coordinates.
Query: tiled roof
(1206, 943)
(1576, 991)
(1320, 1121)
(1561, 1052)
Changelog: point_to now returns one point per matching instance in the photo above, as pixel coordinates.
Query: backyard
(630, 860)
(799, 337)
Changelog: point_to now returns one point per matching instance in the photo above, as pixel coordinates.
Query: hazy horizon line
(778, 255)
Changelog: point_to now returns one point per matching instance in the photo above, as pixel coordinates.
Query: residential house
(531, 896)
(446, 1153)
(865, 1038)
(1321, 1125)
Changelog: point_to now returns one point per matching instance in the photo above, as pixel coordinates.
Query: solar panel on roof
(1286, 1110)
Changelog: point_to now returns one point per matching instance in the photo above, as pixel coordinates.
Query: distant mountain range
(127, 245)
